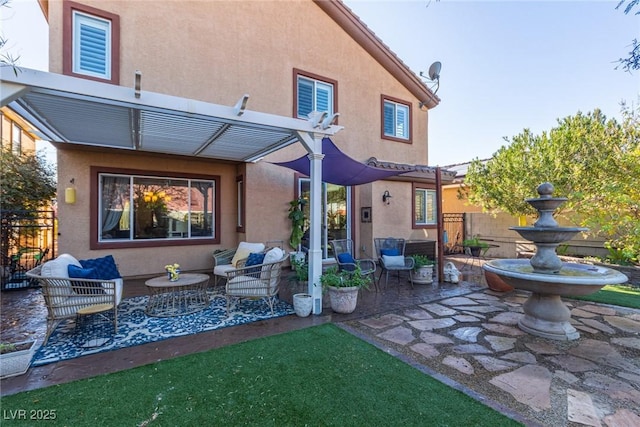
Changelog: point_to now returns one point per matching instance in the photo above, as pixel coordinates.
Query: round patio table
(186, 295)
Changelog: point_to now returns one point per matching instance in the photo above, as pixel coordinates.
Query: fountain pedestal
(548, 317)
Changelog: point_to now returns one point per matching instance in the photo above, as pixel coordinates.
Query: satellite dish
(434, 70)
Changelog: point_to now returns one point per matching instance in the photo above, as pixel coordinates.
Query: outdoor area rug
(69, 340)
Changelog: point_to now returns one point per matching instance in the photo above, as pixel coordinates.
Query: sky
(506, 65)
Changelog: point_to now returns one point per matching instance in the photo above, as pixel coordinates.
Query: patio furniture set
(91, 290)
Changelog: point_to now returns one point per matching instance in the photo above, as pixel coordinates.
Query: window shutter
(401, 121)
(93, 49)
(324, 99)
(305, 97)
(388, 119)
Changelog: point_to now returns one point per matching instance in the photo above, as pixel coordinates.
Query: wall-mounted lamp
(70, 193)
(386, 197)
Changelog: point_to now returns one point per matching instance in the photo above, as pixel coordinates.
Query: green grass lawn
(319, 376)
(622, 295)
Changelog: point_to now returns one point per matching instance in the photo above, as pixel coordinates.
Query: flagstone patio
(464, 334)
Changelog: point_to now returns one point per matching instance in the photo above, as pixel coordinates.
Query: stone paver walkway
(475, 340)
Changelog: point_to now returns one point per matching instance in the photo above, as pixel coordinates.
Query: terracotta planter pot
(495, 283)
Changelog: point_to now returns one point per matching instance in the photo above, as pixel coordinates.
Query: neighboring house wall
(216, 52)
(15, 132)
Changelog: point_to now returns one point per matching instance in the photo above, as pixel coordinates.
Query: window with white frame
(91, 45)
(426, 212)
(396, 119)
(135, 207)
(313, 95)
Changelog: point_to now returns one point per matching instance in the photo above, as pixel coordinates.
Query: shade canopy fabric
(340, 169)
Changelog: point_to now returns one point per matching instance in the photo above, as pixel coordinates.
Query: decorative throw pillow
(83, 288)
(244, 249)
(106, 268)
(390, 251)
(393, 261)
(254, 259)
(347, 258)
(273, 255)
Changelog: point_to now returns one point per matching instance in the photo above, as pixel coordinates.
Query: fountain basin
(573, 280)
(545, 314)
(547, 234)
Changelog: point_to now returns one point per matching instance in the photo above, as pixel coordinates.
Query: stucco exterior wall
(216, 51)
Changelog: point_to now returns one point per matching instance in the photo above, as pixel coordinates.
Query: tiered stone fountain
(546, 276)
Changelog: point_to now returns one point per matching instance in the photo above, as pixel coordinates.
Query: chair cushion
(390, 251)
(347, 258)
(254, 259)
(221, 270)
(273, 255)
(106, 268)
(393, 261)
(84, 288)
(244, 249)
(59, 266)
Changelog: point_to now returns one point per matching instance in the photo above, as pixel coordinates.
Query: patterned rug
(69, 340)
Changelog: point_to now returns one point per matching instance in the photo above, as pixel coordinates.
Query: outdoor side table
(186, 295)
(95, 320)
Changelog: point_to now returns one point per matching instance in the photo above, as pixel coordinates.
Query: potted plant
(343, 287)
(423, 269)
(15, 358)
(298, 219)
(475, 245)
(303, 301)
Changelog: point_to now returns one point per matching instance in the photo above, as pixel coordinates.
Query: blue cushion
(254, 259)
(390, 252)
(347, 258)
(105, 267)
(83, 288)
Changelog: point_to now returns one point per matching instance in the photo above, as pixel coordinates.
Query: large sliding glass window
(133, 207)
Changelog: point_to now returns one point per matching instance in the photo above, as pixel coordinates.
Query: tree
(592, 161)
(28, 182)
(632, 62)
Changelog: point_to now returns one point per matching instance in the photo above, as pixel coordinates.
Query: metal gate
(454, 232)
(27, 238)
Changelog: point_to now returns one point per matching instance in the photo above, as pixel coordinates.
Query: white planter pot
(299, 256)
(302, 304)
(343, 300)
(17, 362)
(423, 275)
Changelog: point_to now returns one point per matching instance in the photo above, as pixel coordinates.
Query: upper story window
(91, 39)
(134, 207)
(91, 46)
(396, 120)
(16, 139)
(313, 93)
(425, 207)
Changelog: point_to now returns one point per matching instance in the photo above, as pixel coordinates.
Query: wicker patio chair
(64, 296)
(257, 281)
